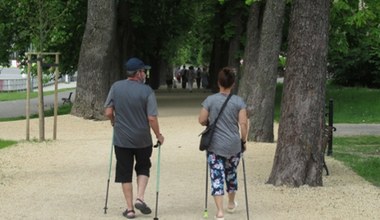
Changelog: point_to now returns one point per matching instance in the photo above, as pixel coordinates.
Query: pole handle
(158, 144)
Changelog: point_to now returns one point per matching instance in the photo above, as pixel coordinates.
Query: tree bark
(99, 62)
(219, 54)
(251, 48)
(262, 82)
(299, 155)
(261, 100)
(238, 21)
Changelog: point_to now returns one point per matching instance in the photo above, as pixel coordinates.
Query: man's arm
(153, 122)
(109, 113)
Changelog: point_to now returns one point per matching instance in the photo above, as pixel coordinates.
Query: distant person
(190, 78)
(225, 150)
(184, 77)
(177, 77)
(131, 107)
(198, 77)
(204, 78)
(169, 80)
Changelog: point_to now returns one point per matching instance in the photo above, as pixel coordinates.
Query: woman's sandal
(218, 218)
(232, 210)
(129, 214)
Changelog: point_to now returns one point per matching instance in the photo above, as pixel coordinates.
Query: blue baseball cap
(134, 64)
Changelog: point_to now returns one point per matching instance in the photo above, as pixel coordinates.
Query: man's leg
(142, 168)
(124, 171)
(142, 182)
(128, 194)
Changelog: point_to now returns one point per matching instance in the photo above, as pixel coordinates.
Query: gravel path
(66, 178)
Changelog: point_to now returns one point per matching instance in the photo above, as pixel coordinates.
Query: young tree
(298, 158)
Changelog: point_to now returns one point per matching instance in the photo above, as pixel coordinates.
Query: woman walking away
(224, 152)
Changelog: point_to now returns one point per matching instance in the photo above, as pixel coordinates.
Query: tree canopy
(184, 31)
(354, 48)
(42, 26)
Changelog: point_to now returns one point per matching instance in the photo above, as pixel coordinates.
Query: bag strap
(224, 105)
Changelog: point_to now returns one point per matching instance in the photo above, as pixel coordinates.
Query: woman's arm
(203, 117)
(243, 123)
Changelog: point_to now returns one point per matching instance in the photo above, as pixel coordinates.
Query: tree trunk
(299, 155)
(99, 57)
(235, 48)
(261, 97)
(261, 101)
(219, 54)
(251, 49)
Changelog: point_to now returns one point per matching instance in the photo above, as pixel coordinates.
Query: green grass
(351, 105)
(9, 96)
(355, 105)
(6, 143)
(361, 153)
(62, 110)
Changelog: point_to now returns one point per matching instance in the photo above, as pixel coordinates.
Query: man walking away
(131, 106)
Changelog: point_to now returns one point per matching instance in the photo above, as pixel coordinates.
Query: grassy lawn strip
(6, 143)
(361, 153)
(62, 110)
(9, 96)
(351, 105)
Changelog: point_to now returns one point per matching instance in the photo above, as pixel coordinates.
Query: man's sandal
(142, 206)
(129, 214)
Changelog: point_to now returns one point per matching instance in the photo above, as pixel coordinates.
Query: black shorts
(125, 158)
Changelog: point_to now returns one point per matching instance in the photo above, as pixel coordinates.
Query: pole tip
(205, 214)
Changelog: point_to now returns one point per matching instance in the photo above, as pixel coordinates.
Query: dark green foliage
(354, 57)
(42, 26)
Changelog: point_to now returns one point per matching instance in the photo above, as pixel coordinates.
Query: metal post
(331, 126)
(56, 73)
(27, 109)
(41, 114)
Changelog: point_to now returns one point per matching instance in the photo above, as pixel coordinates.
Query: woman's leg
(231, 179)
(217, 177)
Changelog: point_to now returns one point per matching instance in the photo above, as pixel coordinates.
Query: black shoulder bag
(206, 135)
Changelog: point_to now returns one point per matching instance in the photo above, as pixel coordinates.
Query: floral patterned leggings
(223, 169)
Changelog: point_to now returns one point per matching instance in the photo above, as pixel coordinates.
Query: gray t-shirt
(133, 102)
(226, 139)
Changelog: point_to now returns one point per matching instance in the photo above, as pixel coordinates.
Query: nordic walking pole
(205, 212)
(158, 177)
(245, 188)
(108, 181)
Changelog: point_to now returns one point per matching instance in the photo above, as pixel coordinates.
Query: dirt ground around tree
(67, 178)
